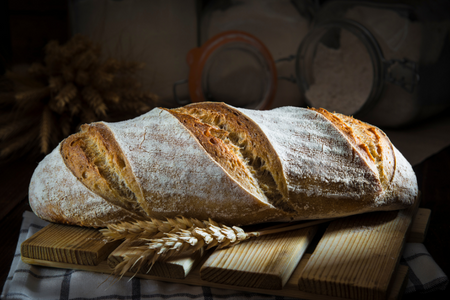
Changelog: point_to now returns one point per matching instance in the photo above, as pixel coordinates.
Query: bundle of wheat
(71, 86)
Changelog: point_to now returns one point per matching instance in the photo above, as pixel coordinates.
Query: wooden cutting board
(350, 258)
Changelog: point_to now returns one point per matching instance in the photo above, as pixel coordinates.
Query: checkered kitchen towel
(33, 282)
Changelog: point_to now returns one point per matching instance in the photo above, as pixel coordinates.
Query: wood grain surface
(289, 290)
(274, 264)
(357, 256)
(68, 244)
(266, 262)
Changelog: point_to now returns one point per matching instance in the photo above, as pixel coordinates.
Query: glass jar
(238, 73)
(232, 67)
(372, 60)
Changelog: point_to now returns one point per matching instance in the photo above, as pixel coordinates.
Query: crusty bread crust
(96, 159)
(211, 160)
(329, 168)
(58, 196)
(179, 177)
(254, 149)
(216, 143)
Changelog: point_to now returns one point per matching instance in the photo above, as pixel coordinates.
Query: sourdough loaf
(233, 165)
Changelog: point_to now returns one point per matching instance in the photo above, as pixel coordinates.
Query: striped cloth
(33, 282)
(425, 275)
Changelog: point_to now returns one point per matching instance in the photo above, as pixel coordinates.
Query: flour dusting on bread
(55, 194)
(211, 160)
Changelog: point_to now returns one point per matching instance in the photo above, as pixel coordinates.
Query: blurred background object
(157, 33)
(235, 72)
(26, 27)
(387, 63)
(70, 84)
(233, 67)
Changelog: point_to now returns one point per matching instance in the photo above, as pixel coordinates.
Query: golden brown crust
(213, 140)
(378, 147)
(56, 195)
(347, 131)
(372, 143)
(256, 149)
(179, 177)
(96, 159)
(210, 160)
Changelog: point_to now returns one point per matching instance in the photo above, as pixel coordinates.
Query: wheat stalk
(28, 97)
(66, 94)
(14, 128)
(147, 229)
(17, 144)
(45, 130)
(161, 240)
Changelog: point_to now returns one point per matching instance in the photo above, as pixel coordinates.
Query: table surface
(433, 176)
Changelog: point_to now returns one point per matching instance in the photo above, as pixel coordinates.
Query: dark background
(26, 26)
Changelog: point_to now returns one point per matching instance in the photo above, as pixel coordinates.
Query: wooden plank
(173, 268)
(358, 255)
(419, 227)
(266, 262)
(289, 290)
(398, 283)
(68, 244)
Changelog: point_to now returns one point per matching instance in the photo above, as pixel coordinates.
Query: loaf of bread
(233, 165)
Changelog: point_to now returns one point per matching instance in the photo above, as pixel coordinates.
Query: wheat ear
(179, 242)
(181, 236)
(148, 229)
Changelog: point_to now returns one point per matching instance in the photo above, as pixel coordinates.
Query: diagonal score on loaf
(96, 159)
(326, 173)
(217, 143)
(236, 143)
(369, 141)
(178, 177)
(358, 255)
(377, 146)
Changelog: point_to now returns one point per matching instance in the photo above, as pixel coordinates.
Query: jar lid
(232, 67)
